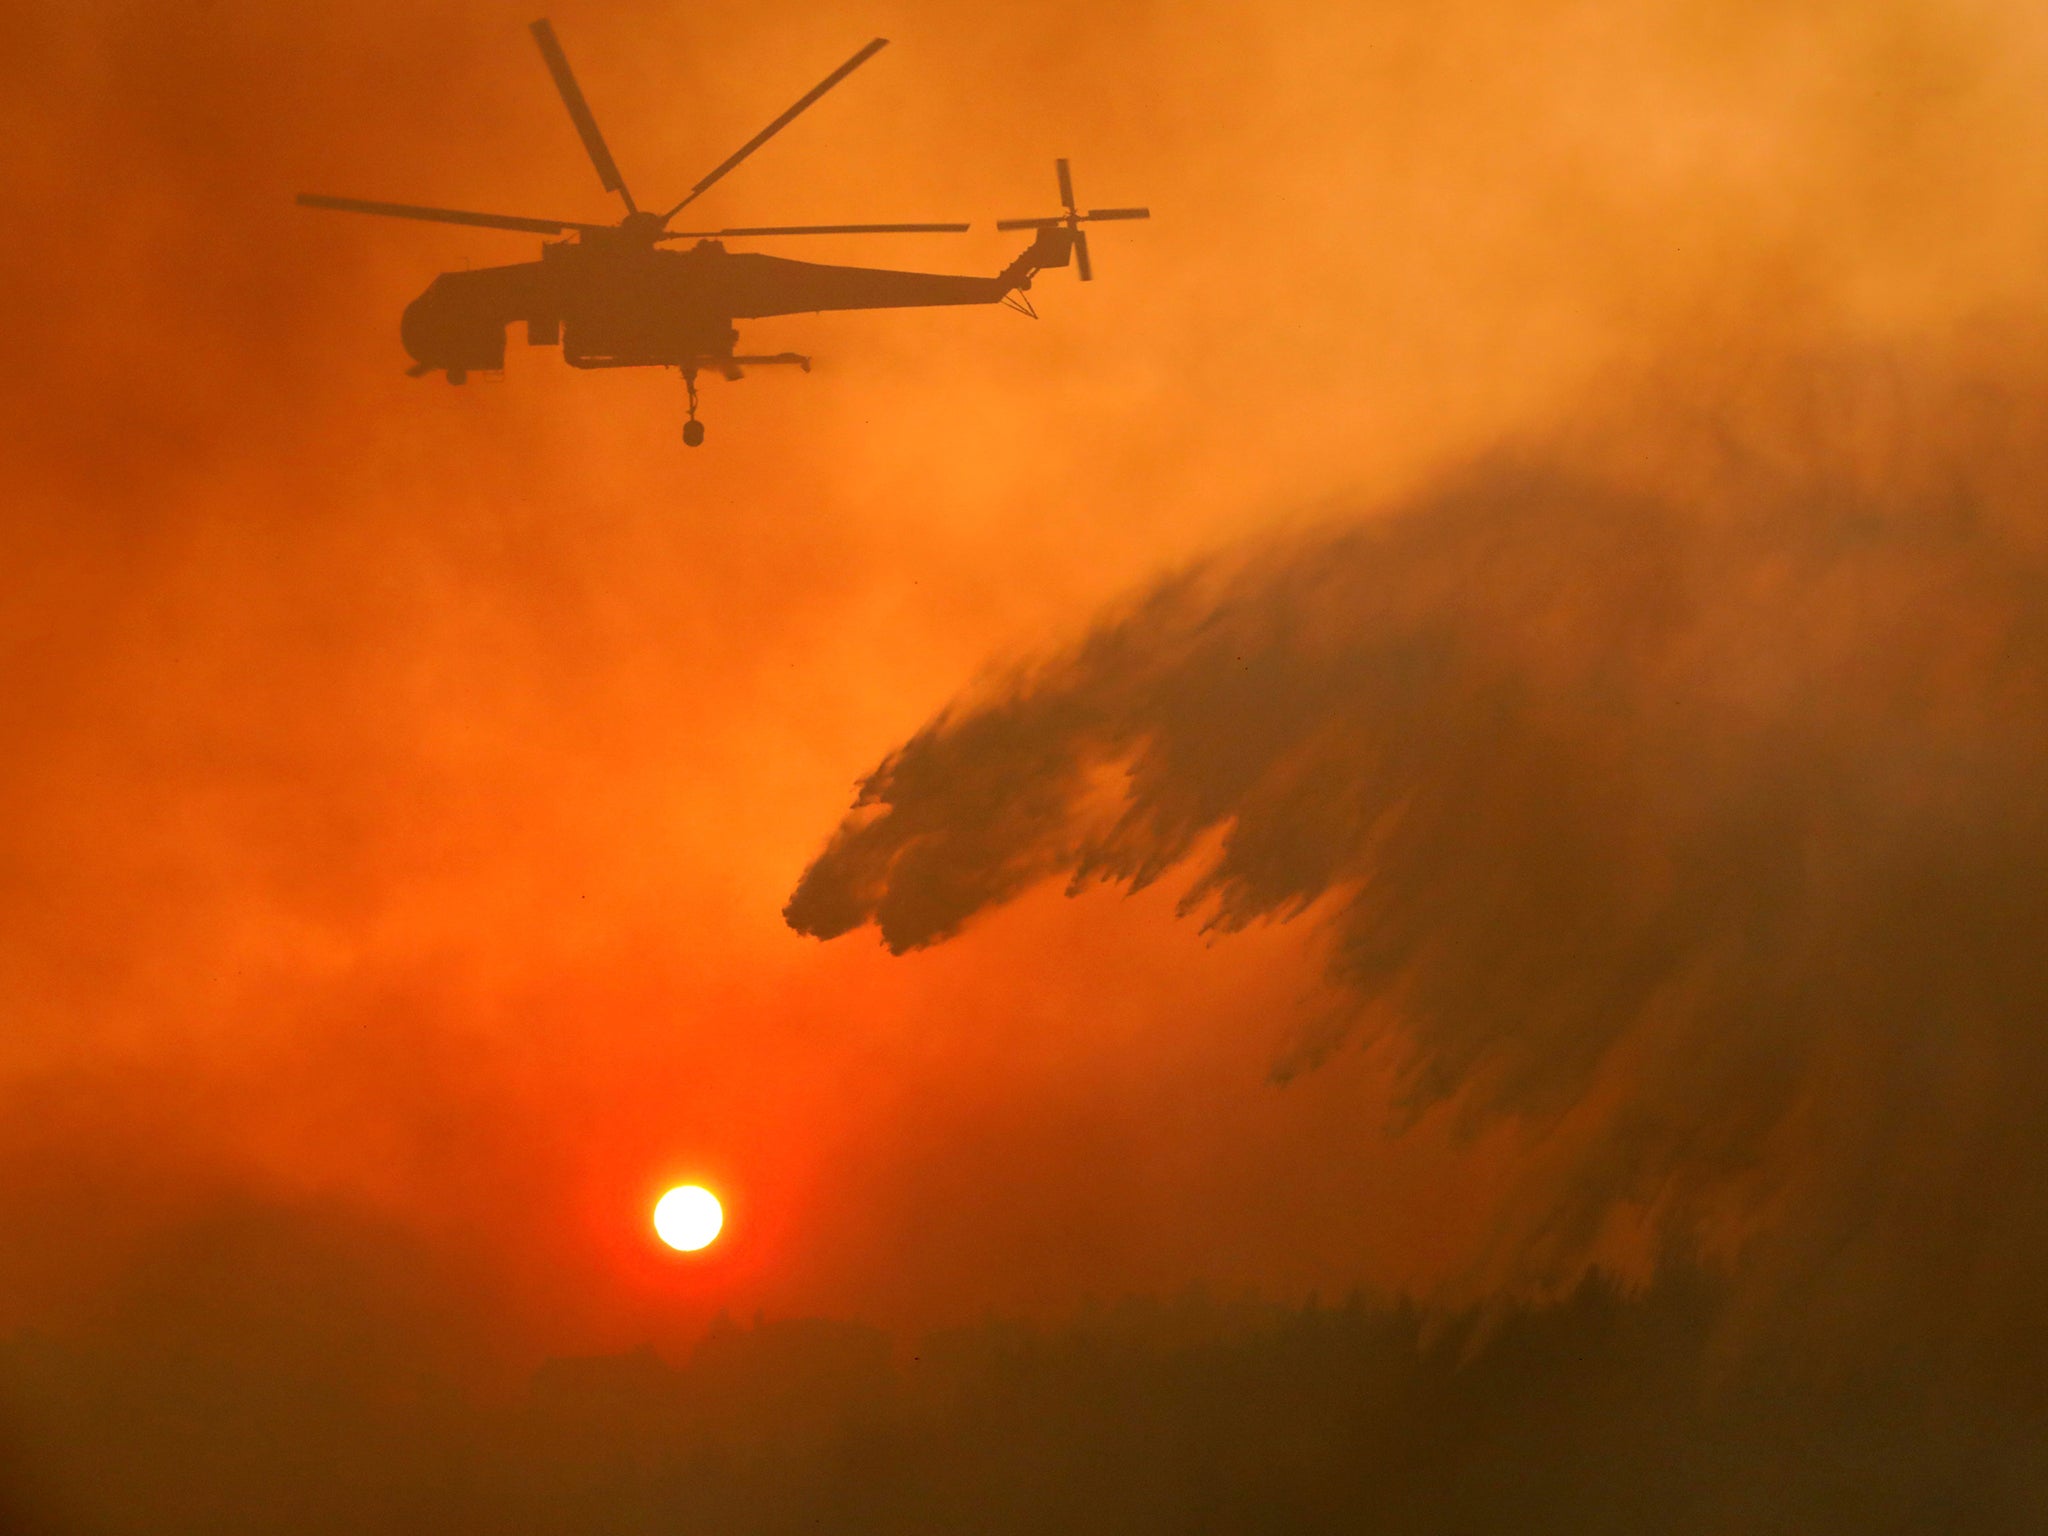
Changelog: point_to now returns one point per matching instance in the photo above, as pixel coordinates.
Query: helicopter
(611, 297)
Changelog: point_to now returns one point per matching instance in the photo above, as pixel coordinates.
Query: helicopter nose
(422, 328)
(440, 330)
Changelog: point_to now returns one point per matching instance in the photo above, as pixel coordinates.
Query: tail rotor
(1073, 219)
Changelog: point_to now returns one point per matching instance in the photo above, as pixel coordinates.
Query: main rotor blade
(445, 215)
(1087, 268)
(1085, 218)
(820, 229)
(579, 111)
(1066, 185)
(779, 124)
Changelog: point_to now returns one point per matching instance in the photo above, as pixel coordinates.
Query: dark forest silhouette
(1600, 1413)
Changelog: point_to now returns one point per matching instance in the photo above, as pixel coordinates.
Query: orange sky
(402, 783)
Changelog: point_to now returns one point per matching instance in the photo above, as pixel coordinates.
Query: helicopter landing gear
(693, 429)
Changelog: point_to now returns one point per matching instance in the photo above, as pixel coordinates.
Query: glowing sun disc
(688, 1217)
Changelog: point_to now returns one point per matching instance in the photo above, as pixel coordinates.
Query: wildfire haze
(1445, 761)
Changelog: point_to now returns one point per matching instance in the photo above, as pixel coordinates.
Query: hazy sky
(402, 784)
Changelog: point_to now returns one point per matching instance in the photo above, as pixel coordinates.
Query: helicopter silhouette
(611, 297)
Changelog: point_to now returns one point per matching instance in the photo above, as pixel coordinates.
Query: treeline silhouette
(1604, 1412)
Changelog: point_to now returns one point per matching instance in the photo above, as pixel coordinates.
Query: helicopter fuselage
(626, 304)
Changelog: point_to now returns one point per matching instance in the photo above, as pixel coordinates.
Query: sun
(688, 1217)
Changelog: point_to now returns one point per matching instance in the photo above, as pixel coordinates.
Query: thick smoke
(1673, 792)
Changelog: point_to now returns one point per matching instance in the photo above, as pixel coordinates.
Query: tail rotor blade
(579, 111)
(1073, 221)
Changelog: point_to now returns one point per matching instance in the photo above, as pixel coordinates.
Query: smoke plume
(1670, 792)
